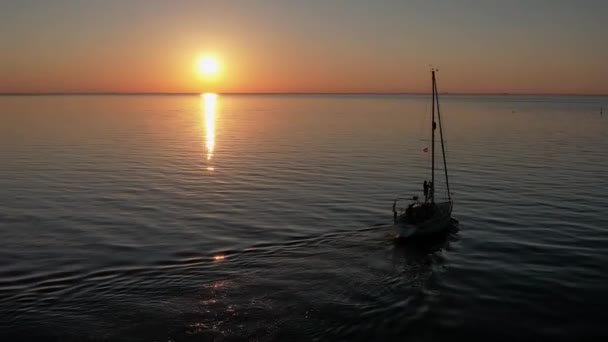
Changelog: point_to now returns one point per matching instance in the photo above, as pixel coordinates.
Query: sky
(533, 46)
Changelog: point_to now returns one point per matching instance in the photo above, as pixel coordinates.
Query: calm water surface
(228, 218)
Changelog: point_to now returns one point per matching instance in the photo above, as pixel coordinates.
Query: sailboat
(425, 217)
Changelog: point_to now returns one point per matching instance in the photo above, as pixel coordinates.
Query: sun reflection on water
(209, 111)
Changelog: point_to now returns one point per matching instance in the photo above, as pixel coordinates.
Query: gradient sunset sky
(534, 46)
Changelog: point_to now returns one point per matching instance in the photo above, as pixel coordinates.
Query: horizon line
(294, 93)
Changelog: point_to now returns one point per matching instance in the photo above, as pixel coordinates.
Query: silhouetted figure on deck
(425, 185)
(410, 213)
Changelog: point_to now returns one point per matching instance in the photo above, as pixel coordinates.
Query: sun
(208, 66)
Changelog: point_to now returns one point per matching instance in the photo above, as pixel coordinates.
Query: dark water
(263, 218)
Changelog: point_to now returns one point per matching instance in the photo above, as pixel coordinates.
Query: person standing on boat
(425, 185)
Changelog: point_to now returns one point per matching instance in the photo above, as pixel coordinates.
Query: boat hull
(436, 224)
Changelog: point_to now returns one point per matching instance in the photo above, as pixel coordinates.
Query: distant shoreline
(289, 93)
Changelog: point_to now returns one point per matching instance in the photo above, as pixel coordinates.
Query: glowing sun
(208, 66)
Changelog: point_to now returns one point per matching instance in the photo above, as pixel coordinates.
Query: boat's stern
(404, 229)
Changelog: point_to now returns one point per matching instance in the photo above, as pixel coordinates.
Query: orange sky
(316, 46)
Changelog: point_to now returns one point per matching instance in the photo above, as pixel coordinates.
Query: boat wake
(262, 290)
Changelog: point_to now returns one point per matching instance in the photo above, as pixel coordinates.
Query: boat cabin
(419, 212)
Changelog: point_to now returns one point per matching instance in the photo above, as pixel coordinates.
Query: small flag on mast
(426, 149)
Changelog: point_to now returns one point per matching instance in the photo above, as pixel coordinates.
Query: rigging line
(433, 90)
(445, 141)
(443, 135)
(445, 166)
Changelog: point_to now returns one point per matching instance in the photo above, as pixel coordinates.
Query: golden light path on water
(209, 112)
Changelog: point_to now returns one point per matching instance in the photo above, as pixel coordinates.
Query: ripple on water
(123, 225)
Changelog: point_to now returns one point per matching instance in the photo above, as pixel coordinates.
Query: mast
(445, 165)
(432, 189)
